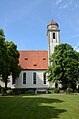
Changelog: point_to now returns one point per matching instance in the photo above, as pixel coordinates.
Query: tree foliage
(64, 66)
(9, 59)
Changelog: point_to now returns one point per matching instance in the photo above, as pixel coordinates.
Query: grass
(45, 106)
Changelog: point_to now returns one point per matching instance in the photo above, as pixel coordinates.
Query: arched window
(44, 78)
(34, 78)
(24, 78)
(53, 35)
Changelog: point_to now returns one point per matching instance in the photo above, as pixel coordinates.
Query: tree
(64, 66)
(14, 60)
(3, 56)
(9, 59)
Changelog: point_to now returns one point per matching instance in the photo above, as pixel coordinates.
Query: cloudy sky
(25, 22)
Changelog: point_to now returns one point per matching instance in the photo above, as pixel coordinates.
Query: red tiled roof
(52, 23)
(33, 60)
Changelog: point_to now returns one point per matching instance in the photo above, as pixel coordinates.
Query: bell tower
(53, 34)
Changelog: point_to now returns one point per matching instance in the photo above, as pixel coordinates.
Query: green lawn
(45, 106)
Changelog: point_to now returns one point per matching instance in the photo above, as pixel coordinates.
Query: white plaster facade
(29, 79)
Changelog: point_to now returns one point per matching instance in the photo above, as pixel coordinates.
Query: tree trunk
(5, 77)
(6, 83)
(56, 85)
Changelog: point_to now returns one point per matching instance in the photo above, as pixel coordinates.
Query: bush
(50, 90)
(78, 89)
(17, 91)
(0, 88)
(69, 90)
(61, 91)
(3, 91)
(9, 92)
(56, 90)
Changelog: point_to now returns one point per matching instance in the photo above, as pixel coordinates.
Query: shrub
(16, 91)
(78, 89)
(0, 88)
(56, 90)
(50, 90)
(69, 90)
(9, 92)
(3, 91)
(61, 91)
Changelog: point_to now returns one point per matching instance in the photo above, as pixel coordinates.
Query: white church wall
(29, 79)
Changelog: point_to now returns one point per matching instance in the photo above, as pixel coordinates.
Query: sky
(25, 22)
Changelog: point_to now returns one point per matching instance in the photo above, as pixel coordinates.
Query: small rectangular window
(44, 58)
(26, 58)
(35, 65)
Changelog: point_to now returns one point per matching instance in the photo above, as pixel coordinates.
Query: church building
(34, 63)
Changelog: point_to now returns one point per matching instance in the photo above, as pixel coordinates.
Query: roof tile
(33, 59)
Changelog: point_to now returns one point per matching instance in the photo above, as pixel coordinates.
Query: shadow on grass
(31, 108)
